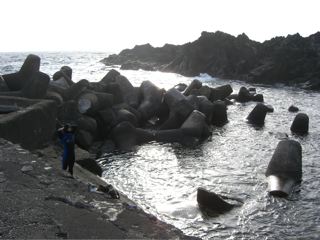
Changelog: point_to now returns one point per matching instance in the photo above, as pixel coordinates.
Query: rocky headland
(292, 60)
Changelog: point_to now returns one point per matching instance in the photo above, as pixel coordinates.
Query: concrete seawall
(32, 126)
(39, 201)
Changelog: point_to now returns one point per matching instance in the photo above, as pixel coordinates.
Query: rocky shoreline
(39, 201)
(292, 60)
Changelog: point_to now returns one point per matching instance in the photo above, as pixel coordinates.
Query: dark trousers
(68, 163)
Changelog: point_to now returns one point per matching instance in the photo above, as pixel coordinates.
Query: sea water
(163, 178)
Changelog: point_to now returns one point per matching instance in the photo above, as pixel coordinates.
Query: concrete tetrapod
(300, 124)
(285, 168)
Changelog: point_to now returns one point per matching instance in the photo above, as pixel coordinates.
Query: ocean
(163, 179)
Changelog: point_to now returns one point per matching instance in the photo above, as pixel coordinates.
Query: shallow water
(162, 178)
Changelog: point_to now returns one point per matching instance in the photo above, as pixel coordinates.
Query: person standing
(67, 137)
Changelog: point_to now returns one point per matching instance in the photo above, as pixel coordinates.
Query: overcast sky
(111, 25)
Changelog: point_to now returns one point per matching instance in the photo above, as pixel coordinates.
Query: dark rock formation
(258, 114)
(289, 60)
(293, 108)
(300, 124)
(285, 168)
(212, 201)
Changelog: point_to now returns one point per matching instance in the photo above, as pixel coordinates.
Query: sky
(113, 25)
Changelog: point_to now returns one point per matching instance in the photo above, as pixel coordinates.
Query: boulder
(88, 124)
(270, 109)
(115, 90)
(206, 107)
(219, 114)
(258, 114)
(179, 107)
(74, 91)
(36, 87)
(84, 139)
(16, 81)
(91, 165)
(285, 168)
(220, 93)
(129, 93)
(300, 124)
(124, 115)
(92, 102)
(151, 100)
(68, 112)
(293, 108)
(110, 77)
(257, 98)
(203, 91)
(212, 202)
(195, 84)
(181, 87)
(63, 77)
(51, 95)
(126, 136)
(244, 95)
(190, 133)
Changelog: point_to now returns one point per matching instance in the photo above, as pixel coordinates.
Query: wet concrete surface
(38, 200)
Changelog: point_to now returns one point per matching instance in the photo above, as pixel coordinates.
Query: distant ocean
(163, 178)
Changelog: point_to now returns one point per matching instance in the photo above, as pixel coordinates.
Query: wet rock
(212, 201)
(26, 168)
(270, 109)
(84, 139)
(115, 90)
(126, 136)
(195, 125)
(244, 95)
(258, 114)
(219, 114)
(193, 130)
(220, 93)
(88, 124)
(203, 91)
(108, 146)
(110, 190)
(129, 93)
(293, 108)
(37, 86)
(206, 107)
(91, 165)
(285, 168)
(51, 95)
(195, 84)
(179, 107)
(68, 112)
(73, 92)
(257, 98)
(181, 87)
(92, 102)
(151, 100)
(300, 124)
(63, 77)
(17, 81)
(123, 115)
(110, 77)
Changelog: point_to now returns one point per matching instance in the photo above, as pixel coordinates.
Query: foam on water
(163, 178)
